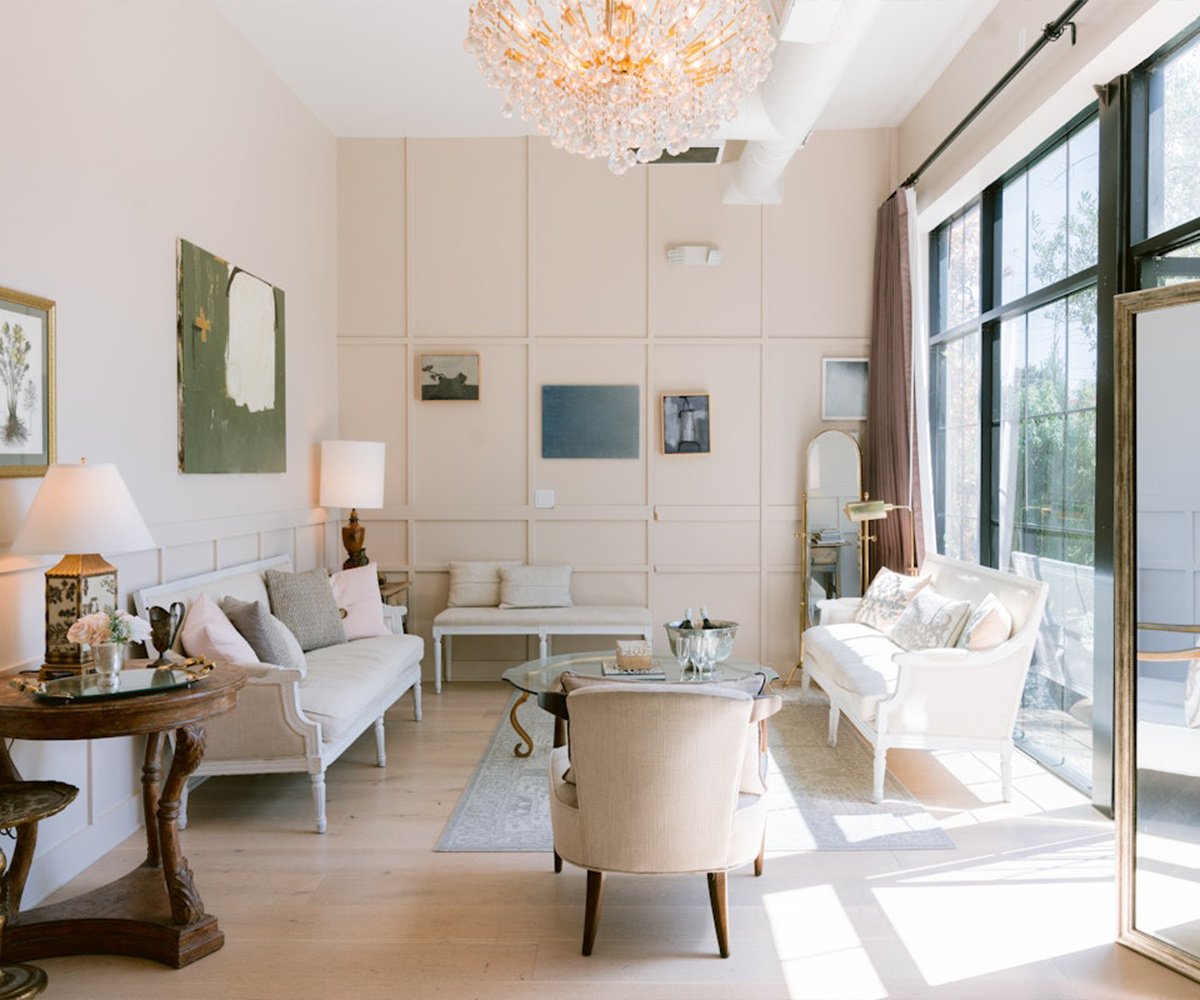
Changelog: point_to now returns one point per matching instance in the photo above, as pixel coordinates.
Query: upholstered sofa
(938, 698)
(290, 720)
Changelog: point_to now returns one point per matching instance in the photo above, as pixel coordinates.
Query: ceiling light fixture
(627, 80)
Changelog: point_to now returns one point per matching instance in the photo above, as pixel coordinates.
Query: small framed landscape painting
(844, 388)
(686, 424)
(27, 426)
(449, 376)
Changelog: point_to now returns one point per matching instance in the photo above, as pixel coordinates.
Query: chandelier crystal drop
(625, 79)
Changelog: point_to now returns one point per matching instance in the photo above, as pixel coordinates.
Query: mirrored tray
(125, 684)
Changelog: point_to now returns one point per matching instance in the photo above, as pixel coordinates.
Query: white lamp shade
(81, 509)
(352, 474)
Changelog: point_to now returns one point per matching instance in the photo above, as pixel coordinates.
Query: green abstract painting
(232, 413)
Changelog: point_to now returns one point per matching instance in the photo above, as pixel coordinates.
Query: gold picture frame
(28, 419)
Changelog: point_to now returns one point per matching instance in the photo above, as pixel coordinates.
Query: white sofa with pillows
(325, 658)
(932, 661)
(510, 598)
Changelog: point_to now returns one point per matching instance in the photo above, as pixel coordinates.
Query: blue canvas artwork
(590, 421)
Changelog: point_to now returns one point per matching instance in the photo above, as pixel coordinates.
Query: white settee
(289, 720)
(933, 698)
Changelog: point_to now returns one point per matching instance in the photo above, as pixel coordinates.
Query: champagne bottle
(686, 622)
(705, 623)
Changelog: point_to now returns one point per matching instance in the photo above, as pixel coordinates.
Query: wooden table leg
(186, 907)
(153, 912)
(151, 781)
(12, 882)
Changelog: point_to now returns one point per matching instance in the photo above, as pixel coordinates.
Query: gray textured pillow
(304, 602)
(270, 639)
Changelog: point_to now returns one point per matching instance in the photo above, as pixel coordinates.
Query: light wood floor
(1023, 909)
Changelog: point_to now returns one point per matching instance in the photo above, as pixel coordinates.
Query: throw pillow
(356, 591)
(304, 603)
(207, 632)
(930, 621)
(267, 635)
(535, 586)
(989, 625)
(475, 584)
(887, 597)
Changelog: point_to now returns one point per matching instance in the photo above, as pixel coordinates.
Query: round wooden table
(155, 911)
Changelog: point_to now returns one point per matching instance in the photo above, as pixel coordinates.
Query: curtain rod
(1050, 33)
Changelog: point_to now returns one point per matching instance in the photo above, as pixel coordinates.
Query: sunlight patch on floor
(1025, 907)
(819, 950)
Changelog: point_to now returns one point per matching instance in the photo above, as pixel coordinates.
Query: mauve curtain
(890, 439)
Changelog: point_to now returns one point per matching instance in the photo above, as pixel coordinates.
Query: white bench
(585, 619)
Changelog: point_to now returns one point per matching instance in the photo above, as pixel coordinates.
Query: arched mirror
(833, 478)
(1157, 586)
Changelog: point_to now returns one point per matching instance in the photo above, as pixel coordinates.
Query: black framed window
(1013, 390)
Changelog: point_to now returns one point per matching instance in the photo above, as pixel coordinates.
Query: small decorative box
(633, 654)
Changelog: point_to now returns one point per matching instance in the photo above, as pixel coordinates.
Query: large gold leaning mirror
(831, 558)
(1157, 587)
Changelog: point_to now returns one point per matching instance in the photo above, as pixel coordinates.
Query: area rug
(820, 796)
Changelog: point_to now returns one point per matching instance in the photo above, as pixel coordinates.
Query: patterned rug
(820, 796)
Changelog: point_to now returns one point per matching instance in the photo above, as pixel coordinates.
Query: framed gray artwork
(844, 388)
(590, 421)
(686, 424)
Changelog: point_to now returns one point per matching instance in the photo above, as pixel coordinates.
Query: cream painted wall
(555, 271)
(128, 125)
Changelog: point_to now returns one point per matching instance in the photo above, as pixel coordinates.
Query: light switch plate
(543, 498)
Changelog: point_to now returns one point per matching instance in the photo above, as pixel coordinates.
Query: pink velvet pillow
(356, 592)
(208, 632)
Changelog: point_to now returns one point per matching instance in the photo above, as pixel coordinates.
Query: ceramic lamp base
(353, 537)
(79, 585)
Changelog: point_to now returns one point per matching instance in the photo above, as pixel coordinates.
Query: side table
(154, 911)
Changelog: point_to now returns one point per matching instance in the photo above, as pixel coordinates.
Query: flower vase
(108, 658)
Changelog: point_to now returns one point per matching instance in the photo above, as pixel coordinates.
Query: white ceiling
(391, 68)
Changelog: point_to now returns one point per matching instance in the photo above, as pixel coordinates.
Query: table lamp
(352, 476)
(77, 510)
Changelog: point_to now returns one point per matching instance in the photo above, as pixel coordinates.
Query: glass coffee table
(540, 678)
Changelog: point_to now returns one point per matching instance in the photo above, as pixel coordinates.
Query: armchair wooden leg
(557, 863)
(1006, 775)
(591, 916)
(758, 862)
(716, 896)
(835, 714)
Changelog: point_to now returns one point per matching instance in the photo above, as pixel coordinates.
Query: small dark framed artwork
(449, 376)
(844, 388)
(686, 423)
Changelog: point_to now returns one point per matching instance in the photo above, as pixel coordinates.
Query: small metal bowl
(718, 639)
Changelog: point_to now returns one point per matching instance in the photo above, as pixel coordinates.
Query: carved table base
(153, 912)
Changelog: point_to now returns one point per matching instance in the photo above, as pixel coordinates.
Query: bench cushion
(580, 616)
(343, 679)
(858, 659)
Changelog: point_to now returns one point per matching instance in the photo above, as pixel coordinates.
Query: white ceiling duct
(802, 80)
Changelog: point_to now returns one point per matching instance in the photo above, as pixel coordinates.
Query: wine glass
(683, 653)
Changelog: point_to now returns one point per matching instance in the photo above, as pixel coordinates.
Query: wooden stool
(22, 804)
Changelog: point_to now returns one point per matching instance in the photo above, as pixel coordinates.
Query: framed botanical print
(27, 421)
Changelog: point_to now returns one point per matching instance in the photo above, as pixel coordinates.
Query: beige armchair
(663, 779)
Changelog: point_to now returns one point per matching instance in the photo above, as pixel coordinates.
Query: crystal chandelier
(626, 79)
